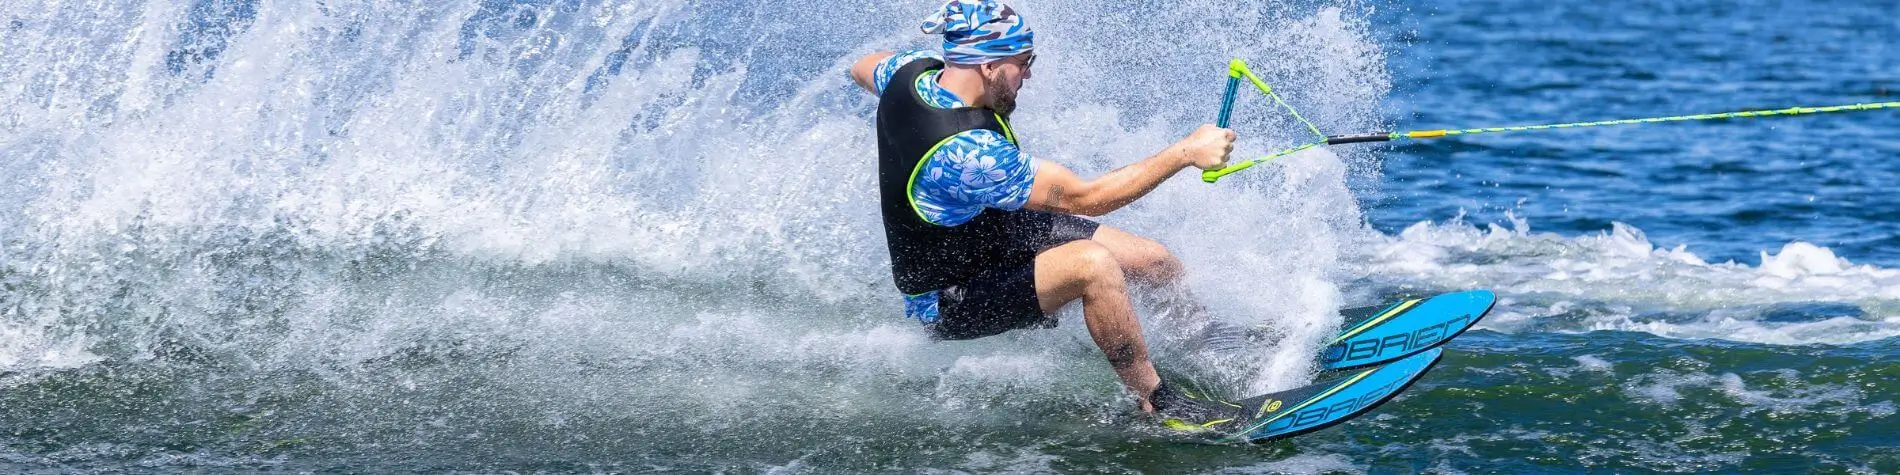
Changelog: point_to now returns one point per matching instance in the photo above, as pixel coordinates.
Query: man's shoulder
(888, 68)
(982, 149)
(972, 170)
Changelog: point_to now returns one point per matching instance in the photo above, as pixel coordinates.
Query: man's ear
(986, 69)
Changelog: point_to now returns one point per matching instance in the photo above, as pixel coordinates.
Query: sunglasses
(1029, 62)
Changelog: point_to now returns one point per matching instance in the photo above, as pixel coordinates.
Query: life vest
(926, 256)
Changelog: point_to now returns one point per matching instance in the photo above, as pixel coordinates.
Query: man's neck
(966, 83)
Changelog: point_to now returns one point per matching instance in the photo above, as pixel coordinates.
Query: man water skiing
(983, 238)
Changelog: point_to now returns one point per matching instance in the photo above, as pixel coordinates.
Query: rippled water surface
(582, 236)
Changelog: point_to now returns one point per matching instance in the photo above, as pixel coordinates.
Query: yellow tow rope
(1237, 70)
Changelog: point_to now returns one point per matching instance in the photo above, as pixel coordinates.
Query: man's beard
(1002, 97)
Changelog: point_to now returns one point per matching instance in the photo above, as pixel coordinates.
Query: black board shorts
(1003, 297)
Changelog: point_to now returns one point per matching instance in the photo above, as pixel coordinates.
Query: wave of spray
(1618, 280)
(579, 222)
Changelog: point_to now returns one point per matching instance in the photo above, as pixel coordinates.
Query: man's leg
(1150, 264)
(1144, 260)
(1087, 270)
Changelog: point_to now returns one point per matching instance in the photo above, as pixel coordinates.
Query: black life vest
(926, 256)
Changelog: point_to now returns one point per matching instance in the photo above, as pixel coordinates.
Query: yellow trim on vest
(1007, 132)
(910, 186)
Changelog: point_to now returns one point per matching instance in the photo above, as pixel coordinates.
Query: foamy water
(587, 236)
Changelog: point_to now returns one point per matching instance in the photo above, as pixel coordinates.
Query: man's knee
(1162, 265)
(1098, 264)
(1149, 260)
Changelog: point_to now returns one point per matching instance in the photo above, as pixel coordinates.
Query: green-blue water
(553, 236)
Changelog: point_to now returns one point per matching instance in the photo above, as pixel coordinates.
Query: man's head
(1001, 80)
(989, 39)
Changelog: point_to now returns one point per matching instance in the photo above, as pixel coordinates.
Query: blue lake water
(583, 236)
(1727, 190)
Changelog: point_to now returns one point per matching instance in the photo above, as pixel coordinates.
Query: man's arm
(865, 72)
(1057, 189)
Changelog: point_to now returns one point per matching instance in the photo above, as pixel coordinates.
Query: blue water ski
(1374, 335)
(1320, 405)
(1379, 350)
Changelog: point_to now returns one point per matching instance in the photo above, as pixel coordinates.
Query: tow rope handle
(1237, 70)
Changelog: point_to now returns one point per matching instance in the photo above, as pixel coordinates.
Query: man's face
(1004, 78)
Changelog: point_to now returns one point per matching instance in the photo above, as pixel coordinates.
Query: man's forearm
(1124, 185)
